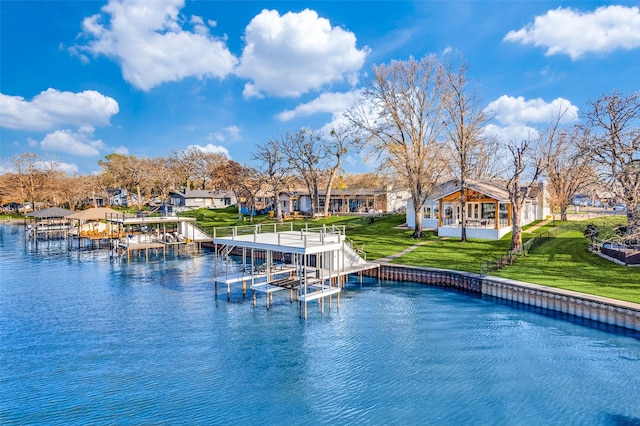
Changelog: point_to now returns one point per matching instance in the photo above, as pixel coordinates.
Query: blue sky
(82, 79)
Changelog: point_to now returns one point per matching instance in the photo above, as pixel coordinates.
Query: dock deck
(319, 262)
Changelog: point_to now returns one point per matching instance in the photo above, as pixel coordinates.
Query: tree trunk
(276, 204)
(332, 178)
(633, 223)
(417, 212)
(139, 197)
(516, 236)
(463, 213)
(417, 230)
(563, 213)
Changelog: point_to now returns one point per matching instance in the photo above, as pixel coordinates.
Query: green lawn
(565, 262)
(562, 262)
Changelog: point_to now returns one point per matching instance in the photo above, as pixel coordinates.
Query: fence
(527, 247)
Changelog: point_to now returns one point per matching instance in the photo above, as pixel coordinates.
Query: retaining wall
(595, 308)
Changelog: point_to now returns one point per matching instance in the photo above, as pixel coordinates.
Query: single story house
(489, 212)
(356, 200)
(201, 198)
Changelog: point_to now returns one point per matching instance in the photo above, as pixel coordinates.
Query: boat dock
(156, 234)
(312, 263)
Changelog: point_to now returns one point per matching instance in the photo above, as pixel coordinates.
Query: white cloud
(122, 150)
(518, 111)
(294, 53)
(78, 143)
(211, 149)
(147, 39)
(69, 168)
(233, 132)
(215, 136)
(518, 117)
(574, 33)
(53, 108)
(230, 132)
(334, 103)
(510, 133)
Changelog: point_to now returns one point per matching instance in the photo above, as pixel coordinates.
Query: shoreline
(604, 310)
(601, 309)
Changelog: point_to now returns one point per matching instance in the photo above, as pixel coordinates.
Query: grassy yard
(565, 262)
(562, 262)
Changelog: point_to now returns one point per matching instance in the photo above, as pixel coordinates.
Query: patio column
(440, 213)
(496, 216)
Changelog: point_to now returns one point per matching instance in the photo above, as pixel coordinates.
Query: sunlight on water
(86, 339)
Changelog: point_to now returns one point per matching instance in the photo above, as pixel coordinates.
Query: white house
(356, 200)
(201, 198)
(488, 215)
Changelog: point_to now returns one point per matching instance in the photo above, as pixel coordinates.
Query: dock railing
(261, 228)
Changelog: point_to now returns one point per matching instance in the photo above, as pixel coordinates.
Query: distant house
(201, 198)
(489, 211)
(117, 196)
(351, 200)
(11, 207)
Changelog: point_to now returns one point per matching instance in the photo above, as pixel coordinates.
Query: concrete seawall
(595, 308)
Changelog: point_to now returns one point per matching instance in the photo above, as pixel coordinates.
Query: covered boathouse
(312, 263)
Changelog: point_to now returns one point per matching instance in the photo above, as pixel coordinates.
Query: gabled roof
(491, 190)
(95, 213)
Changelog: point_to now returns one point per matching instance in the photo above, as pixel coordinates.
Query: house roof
(491, 190)
(96, 213)
(53, 212)
(335, 192)
(201, 193)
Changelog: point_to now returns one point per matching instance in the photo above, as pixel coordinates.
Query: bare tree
(305, 153)
(465, 120)
(126, 171)
(523, 161)
(613, 143)
(73, 190)
(566, 170)
(186, 164)
(342, 140)
(243, 180)
(365, 180)
(406, 99)
(31, 176)
(164, 178)
(273, 170)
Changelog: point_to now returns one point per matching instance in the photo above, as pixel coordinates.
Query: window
(448, 212)
(427, 212)
(503, 211)
(488, 210)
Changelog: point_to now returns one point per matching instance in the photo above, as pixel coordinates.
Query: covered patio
(488, 212)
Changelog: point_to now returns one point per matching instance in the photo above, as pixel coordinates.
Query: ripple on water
(88, 340)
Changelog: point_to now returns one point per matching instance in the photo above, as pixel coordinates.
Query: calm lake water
(86, 340)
